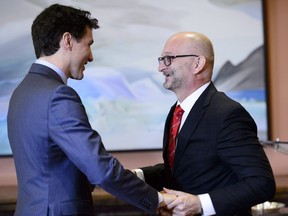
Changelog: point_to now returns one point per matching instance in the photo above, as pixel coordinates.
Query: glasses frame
(167, 60)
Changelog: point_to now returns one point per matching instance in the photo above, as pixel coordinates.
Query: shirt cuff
(207, 205)
(139, 173)
(160, 198)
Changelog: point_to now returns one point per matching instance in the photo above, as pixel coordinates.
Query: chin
(166, 86)
(78, 76)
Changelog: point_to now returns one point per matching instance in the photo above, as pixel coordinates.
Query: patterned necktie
(175, 124)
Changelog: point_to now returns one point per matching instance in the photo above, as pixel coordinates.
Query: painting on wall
(122, 89)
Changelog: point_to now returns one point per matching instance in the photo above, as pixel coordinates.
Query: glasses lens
(167, 60)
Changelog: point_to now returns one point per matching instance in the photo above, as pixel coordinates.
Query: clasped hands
(178, 203)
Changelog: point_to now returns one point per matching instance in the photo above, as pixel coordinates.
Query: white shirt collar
(189, 102)
(53, 67)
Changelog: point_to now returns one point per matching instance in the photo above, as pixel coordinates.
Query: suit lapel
(193, 119)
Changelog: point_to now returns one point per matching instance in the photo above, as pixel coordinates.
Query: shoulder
(63, 94)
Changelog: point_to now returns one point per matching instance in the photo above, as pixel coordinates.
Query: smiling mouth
(166, 74)
(84, 66)
(167, 78)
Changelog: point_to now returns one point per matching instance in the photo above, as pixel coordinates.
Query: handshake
(179, 203)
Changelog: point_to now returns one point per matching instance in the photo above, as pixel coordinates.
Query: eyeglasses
(168, 59)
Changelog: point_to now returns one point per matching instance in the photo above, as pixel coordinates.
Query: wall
(277, 50)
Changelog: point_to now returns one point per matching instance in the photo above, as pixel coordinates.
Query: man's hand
(167, 199)
(185, 204)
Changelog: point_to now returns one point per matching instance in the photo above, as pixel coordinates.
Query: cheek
(76, 68)
(78, 62)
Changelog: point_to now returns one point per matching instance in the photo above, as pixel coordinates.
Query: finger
(170, 191)
(163, 212)
(177, 213)
(173, 204)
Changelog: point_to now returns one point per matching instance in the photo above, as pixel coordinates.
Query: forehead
(177, 46)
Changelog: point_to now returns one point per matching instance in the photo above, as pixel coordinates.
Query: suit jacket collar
(44, 70)
(194, 117)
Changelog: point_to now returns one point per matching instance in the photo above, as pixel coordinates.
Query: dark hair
(49, 26)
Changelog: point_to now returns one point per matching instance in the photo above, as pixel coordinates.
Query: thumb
(170, 191)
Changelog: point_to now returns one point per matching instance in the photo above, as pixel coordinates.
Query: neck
(56, 61)
(182, 94)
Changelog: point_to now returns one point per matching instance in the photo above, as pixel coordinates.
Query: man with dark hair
(58, 156)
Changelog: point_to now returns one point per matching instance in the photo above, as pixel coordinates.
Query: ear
(67, 40)
(200, 62)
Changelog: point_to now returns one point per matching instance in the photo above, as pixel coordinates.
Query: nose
(90, 58)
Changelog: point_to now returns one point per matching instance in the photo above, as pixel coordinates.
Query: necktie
(175, 124)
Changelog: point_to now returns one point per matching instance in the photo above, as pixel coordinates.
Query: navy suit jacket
(218, 152)
(58, 156)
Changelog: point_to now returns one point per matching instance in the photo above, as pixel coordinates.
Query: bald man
(219, 166)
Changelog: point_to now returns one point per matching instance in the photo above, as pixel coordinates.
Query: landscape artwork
(122, 89)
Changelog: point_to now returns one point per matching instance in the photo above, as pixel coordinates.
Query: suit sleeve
(71, 131)
(155, 176)
(239, 148)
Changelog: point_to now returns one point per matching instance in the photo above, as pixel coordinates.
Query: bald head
(192, 43)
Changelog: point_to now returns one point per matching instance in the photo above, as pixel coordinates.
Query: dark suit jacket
(218, 152)
(58, 156)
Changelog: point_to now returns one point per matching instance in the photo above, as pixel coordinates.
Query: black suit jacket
(218, 152)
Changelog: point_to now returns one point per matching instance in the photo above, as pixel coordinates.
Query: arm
(155, 176)
(239, 148)
(71, 132)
